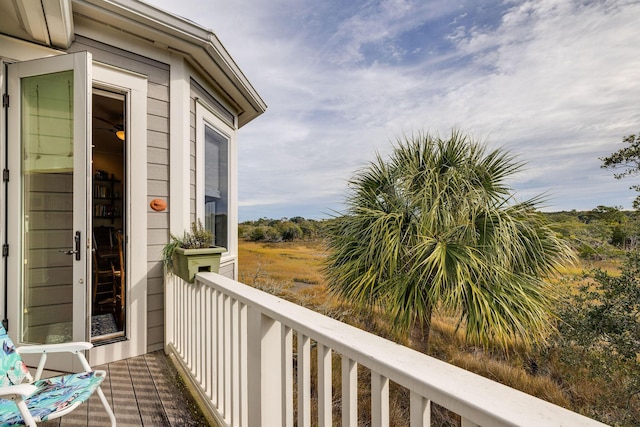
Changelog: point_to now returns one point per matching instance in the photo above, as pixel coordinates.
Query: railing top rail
(474, 397)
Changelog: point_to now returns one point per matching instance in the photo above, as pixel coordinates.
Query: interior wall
(109, 162)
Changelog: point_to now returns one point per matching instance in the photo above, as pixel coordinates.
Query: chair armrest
(43, 350)
(71, 347)
(13, 391)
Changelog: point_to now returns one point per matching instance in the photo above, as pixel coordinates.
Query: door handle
(76, 250)
(76, 239)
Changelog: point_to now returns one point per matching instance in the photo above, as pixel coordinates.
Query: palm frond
(435, 226)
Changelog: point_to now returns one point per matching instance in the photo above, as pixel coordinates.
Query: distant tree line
(600, 233)
(603, 232)
(281, 230)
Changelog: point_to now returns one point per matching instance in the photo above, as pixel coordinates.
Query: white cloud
(554, 81)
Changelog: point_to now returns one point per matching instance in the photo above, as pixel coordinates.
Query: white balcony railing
(237, 344)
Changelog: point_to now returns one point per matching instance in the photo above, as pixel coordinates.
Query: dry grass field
(287, 265)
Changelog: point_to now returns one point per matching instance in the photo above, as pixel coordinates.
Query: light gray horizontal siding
(158, 156)
(158, 189)
(157, 108)
(158, 140)
(157, 172)
(227, 270)
(159, 92)
(157, 72)
(158, 124)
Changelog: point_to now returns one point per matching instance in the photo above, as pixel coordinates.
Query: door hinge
(5, 100)
(5, 250)
(5, 175)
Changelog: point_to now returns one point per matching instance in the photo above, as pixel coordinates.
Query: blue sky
(555, 82)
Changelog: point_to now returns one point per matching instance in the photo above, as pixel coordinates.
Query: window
(216, 184)
(213, 185)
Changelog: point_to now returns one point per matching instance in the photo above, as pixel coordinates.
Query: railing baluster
(213, 387)
(210, 341)
(420, 410)
(243, 392)
(324, 387)
(235, 367)
(204, 334)
(379, 400)
(197, 332)
(183, 319)
(349, 392)
(220, 353)
(192, 322)
(179, 289)
(189, 319)
(170, 312)
(287, 371)
(227, 358)
(304, 380)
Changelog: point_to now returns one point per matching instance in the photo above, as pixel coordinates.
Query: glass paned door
(48, 158)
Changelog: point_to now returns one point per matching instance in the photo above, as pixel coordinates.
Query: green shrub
(598, 343)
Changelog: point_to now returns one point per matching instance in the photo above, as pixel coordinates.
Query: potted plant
(192, 253)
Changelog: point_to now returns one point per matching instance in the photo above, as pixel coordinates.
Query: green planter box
(188, 262)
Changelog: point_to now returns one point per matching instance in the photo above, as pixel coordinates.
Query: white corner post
(179, 146)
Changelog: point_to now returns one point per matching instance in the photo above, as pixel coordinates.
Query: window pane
(47, 123)
(216, 185)
(47, 204)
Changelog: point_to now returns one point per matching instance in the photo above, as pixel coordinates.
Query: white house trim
(179, 147)
(206, 115)
(49, 22)
(135, 86)
(32, 16)
(59, 22)
(20, 50)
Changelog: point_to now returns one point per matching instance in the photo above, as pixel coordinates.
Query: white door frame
(135, 87)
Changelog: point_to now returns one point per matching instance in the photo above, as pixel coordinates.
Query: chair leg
(24, 411)
(103, 399)
(107, 408)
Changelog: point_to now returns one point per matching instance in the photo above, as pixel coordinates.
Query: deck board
(142, 391)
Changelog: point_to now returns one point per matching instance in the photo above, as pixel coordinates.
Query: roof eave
(48, 22)
(174, 33)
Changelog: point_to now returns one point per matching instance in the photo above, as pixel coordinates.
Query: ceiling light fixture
(120, 135)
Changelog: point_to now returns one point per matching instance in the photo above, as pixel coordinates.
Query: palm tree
(435, 227)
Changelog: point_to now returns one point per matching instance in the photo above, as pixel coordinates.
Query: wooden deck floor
(142, 391)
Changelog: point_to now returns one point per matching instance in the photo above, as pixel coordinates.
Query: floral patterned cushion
(53, 396)
(12, 369)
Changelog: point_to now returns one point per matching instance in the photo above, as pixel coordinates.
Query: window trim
(207, 116)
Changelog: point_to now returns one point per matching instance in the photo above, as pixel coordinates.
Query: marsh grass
(292, 271)
(286, 262)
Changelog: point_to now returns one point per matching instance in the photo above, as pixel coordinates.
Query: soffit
(46, 22)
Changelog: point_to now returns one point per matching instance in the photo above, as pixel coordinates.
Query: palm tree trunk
(425, 326)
